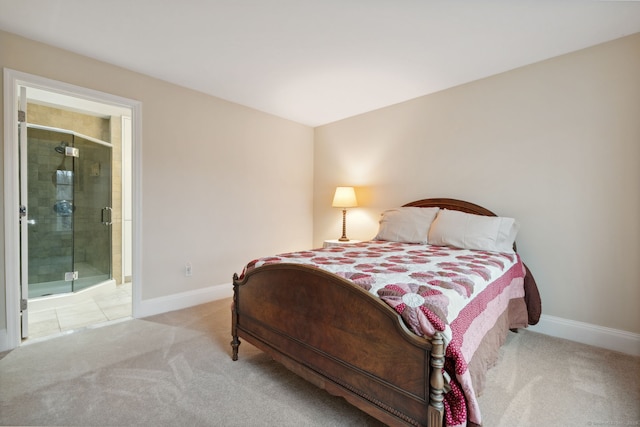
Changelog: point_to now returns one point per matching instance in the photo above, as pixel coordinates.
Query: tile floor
(53, 316)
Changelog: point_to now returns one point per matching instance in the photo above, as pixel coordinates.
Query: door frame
(11, 337)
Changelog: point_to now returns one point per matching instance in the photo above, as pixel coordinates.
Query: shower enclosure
(69, 211)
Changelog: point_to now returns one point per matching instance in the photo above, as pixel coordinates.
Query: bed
(376, 352)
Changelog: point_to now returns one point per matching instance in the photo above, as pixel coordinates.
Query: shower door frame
(10, 336)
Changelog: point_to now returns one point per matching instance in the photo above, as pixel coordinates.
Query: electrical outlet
(188, 271)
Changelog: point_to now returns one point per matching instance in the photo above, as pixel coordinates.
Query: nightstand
(336, 242)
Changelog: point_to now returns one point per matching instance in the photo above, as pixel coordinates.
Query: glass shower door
(92, 216)
(50, 220)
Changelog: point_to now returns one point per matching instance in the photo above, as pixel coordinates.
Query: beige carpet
(546, 381)
(175, 369)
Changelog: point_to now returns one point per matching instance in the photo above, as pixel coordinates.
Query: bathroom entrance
(71, 162)
(69, 199)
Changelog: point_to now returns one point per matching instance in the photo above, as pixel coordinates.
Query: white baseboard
(182, 300)
(586, 333)
(4, 341)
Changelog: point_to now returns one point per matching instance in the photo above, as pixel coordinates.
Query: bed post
(235, 342)
(435, 411)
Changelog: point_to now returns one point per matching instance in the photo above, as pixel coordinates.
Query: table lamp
(345, 197)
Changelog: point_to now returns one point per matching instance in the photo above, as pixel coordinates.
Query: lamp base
(344, 227)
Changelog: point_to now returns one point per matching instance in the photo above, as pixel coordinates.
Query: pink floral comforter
(458, 292)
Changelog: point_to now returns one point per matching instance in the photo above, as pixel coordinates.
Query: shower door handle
(106, 216)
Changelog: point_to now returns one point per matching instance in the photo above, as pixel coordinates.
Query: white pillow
(468, 231)
(406, 224)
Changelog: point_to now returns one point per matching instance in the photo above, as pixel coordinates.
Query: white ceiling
(318, 61)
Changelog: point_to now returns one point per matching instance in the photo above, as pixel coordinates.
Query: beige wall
(555, 144)
(221, 183)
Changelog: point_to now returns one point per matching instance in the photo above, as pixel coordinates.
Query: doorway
(74, 157)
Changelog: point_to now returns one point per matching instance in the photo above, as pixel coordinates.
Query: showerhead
(61, 148)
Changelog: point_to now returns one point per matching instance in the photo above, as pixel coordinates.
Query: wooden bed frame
(343, 339)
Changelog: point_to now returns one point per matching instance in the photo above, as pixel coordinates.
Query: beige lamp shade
(345, 197)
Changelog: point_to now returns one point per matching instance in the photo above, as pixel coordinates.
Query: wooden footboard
(343, 340)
